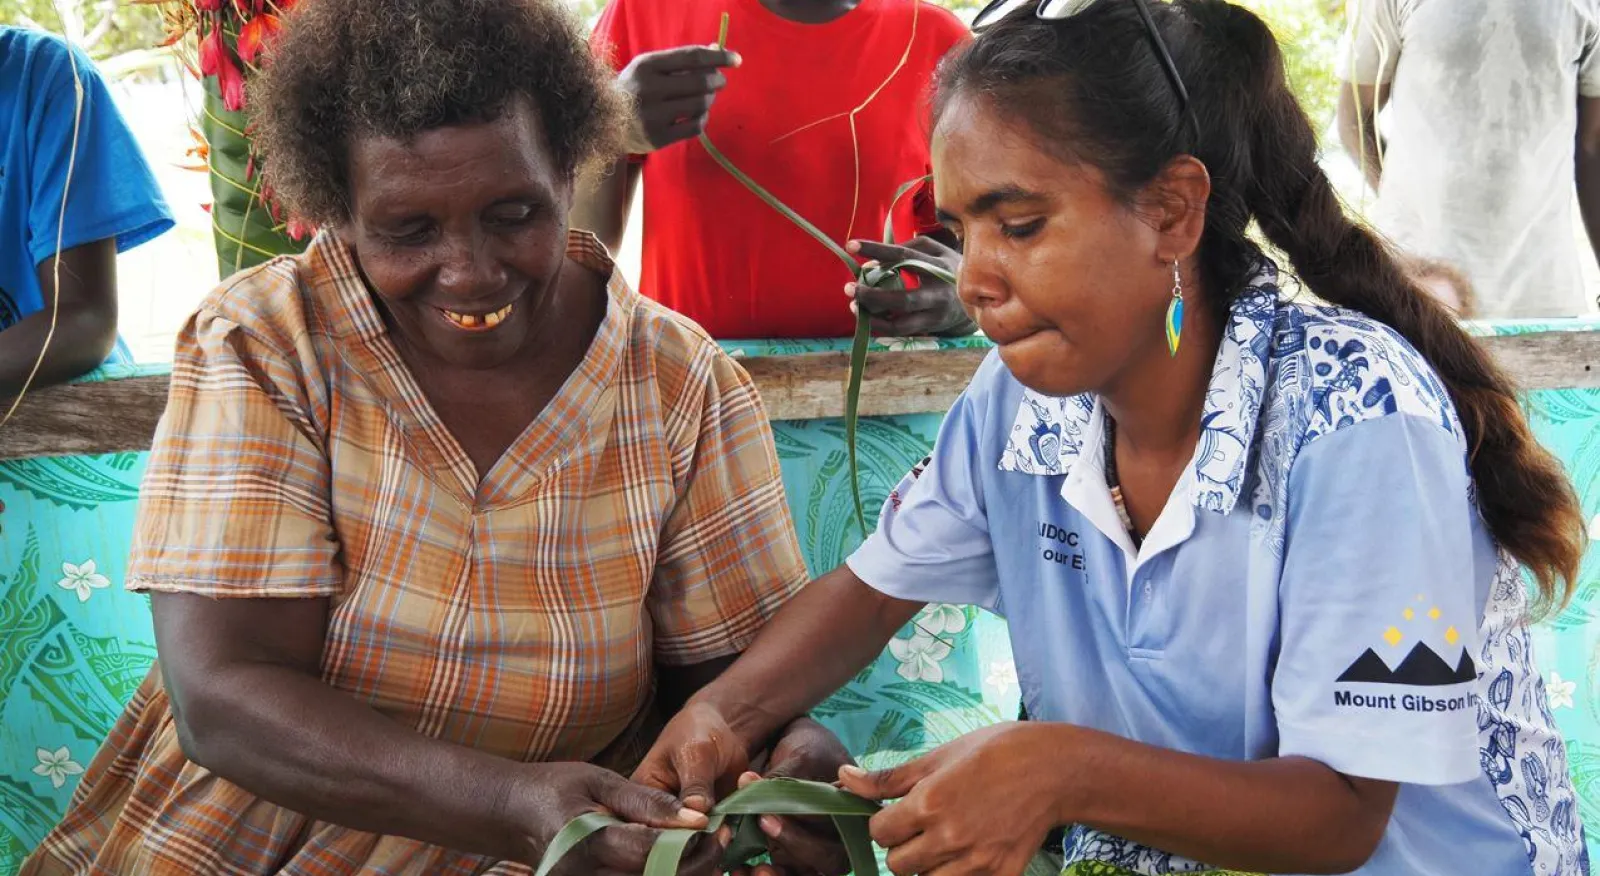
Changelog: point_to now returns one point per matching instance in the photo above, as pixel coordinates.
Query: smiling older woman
(440, 512)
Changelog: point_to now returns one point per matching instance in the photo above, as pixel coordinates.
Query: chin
(1051, 377)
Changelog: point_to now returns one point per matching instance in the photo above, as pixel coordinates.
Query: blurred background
(162, 281)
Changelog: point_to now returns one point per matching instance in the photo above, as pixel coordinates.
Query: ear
(1177, 200)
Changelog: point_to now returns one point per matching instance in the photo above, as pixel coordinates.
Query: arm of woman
(983, 803)
(242, 676)
(931, 544)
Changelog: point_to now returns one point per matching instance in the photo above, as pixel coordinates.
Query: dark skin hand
(681, 761)
(86, 324)
(932, 308)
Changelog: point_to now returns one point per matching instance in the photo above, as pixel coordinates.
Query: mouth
(476, 322)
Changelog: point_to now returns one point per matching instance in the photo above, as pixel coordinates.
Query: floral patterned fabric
(73, 647)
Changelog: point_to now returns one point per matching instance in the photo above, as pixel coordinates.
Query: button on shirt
(1319, 584)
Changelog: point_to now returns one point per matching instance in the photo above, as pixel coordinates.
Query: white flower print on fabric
(920, 657)
(1560, 691)
(82, 580)
(56, 765)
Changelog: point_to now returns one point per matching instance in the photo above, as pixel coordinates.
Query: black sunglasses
(1058, 10)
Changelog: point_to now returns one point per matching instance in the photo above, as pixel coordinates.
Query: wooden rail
(120, 415)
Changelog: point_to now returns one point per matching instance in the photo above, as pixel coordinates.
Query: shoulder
(39, 62)
(937, 27)
(270, 309)
(944, 28)
(689, 369)
(1338, 368)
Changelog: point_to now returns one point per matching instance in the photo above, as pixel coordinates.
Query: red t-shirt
(711, 249)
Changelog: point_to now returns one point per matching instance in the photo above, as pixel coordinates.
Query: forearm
(1358, 129)
(82, 339)
(826, 634)
(1589, 196)
(291, 739)
(604, 200)
(1280, 815)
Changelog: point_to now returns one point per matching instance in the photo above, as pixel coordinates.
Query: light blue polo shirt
(1319, 585)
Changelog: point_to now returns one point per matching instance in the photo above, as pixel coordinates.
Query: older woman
(440, 512)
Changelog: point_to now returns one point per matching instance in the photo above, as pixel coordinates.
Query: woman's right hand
(542, 798)
(672, 91)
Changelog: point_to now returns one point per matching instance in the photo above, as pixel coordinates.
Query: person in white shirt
(1493, 113)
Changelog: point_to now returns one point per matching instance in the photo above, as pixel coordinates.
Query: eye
(410, 234)
(513, 217)
(1021, 230)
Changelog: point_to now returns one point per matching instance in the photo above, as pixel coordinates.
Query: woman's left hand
(980, 804)
(806, 750)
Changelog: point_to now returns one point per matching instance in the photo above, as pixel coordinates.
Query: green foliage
(103, 29)
(1308, 30)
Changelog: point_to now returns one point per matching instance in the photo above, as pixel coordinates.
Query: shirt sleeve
(236, 494)
(932, 541)
(1379, 603)
(1589, 60)
(1371, 46)
(729, 556)
(110, 192)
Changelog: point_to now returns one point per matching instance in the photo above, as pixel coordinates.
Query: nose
(469, 268)
(981, 281)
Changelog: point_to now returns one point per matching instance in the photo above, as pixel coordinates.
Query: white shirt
(1482, 127)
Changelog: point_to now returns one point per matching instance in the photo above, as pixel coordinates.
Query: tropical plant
(222, 43)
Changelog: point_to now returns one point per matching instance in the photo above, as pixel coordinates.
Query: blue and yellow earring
(1175, 311)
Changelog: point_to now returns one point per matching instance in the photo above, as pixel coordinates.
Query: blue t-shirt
(112, 192)
(1319, 584)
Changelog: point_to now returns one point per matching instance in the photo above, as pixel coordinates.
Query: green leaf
(937, 272)
(245, 232)
(667, 853)
(766, 797)
(576, 831)
(794, 797)
(888, 220)
(773, 202)
(852, 408)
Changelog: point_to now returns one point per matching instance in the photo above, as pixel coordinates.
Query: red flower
(298, 230)
(215, 60)
(257, 32)
(207, 5)
(212, 52)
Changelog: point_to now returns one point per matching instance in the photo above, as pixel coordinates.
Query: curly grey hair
(344, 69)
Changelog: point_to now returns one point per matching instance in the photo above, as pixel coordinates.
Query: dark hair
(1091, 89)
(344, 69)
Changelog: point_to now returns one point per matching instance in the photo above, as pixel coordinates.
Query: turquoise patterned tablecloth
(74, 644)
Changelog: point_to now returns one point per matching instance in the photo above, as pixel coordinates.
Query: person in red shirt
(822, 102)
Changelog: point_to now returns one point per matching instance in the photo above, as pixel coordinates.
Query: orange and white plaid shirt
(639, 519)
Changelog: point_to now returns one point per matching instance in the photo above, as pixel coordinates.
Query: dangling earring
(1175, 311)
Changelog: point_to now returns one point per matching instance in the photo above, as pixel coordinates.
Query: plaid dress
(639, 519)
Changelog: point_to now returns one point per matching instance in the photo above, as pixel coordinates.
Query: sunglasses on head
(1059, 10)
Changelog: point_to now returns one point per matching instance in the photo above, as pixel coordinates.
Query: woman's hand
(539, 802)
(672, 91)
(932, 308)
(980, 804)
(806, 750)
(696, 755)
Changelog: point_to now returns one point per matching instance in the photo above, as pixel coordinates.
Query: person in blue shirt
(1259, 557)
(112, 204)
